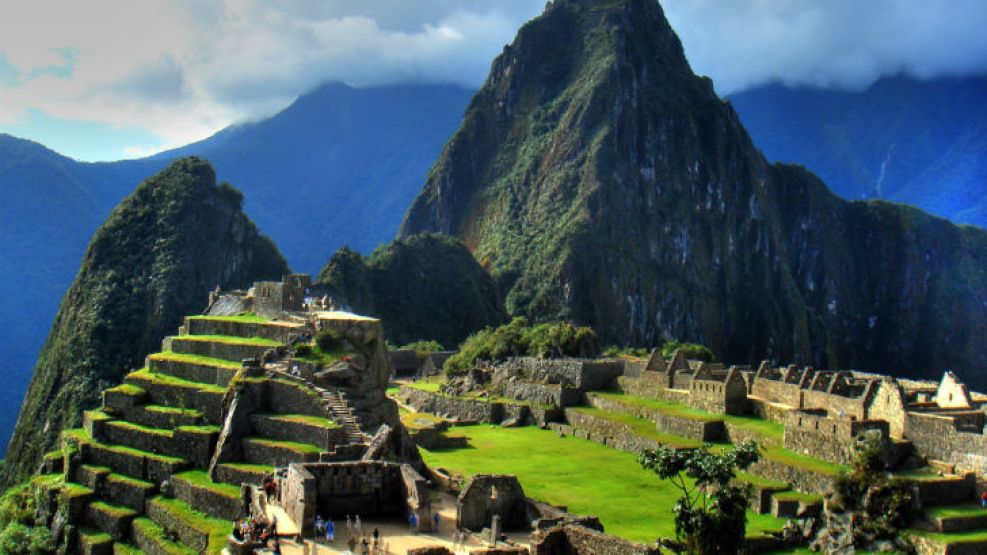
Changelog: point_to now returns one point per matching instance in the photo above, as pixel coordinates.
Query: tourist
(365, 544)
(435, 522)
(349, 526)
(413, 523)
(320, 526)
(376, 537)
(352, 544)
(358, 526)
(330, 528)
(983, 499)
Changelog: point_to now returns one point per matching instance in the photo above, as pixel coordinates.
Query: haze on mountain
(602, 181)
(921, 142)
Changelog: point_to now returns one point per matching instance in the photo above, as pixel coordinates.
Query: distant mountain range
(338, 167)
(902, 139)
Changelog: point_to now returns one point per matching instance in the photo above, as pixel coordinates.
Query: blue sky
(108, 79)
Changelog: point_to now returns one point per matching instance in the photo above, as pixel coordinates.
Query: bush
(303, 350)
(423, 347)
(518, 338)
(693, 351)
(615, 351)
(23, 540)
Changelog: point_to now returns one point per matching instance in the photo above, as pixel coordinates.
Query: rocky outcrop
(422, 287)
(153, 261)
(601, 181)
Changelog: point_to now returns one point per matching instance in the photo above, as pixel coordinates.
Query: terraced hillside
(162, 466)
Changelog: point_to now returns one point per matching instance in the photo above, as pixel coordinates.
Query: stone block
(112, 519)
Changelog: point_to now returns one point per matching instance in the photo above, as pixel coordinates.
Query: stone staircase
(138, 467)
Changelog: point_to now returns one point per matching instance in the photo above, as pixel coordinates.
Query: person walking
(983, 499)
(435, 522)
(358, 526)
(349, 526)
(330, 531)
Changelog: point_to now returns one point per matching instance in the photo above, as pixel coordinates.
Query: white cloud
(829, 43)
(184, 69)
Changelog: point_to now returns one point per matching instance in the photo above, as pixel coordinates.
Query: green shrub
(424, 347)
(18, 539)
(616, 351)
(693, 351)
(518, 338)
(303, 350)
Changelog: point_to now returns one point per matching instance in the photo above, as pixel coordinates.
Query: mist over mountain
(922, 142)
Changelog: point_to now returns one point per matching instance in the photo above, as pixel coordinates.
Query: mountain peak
(601, 181)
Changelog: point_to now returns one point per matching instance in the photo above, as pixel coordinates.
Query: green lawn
(953, 511)
(588, 478)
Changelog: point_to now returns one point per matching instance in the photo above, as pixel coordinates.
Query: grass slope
(631, 502)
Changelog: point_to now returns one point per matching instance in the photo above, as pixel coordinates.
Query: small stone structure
(489, 495)
(365, 488)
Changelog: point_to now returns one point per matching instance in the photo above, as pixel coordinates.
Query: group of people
(368, 544)
(257, 529)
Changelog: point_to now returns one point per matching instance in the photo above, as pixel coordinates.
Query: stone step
(957, 518)
(230, 348)
(196, 530)
(113, 519)
(93, 541)
(170, 391)
(214, 371)
(316, 430)
(91, 476)
(127, 491)
(152, 539)
(124, 396)
(242, 473)
(123, 548)
(131, 462)
(206, 325)
(161, 416)
(219, 500)
(192, 443)
(259, 450)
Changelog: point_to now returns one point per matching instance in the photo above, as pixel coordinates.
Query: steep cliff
(153, 261)
(424, 287)
(601, 181)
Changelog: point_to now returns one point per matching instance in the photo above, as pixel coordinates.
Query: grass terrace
(245, 318)
(773, 431)
(952, 538)
(200, 478)
(588, 478)
(164, 379)
(230, 340)
(173, 411)
(250, 467)
(759, 482)
(805, 462)
(420, 420)
(434, 385)
(956, 511)
(80, 435)
(127, 389)
(160, 537)
(319, 421)
(793, 495)
(641, 427)
(295, 446)
(196, 359)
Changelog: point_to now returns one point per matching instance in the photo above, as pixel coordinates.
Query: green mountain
(424, 287)
(602, 181)
(176, 237)
(923, 142)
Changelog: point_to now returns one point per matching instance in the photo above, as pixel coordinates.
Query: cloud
(181, 70)
(844, 44)
(184, 69)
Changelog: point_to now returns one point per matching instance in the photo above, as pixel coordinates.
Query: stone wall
(649, 386)
(278, 331)
(703, 430)
(214, 349)
(583, 374)
(579, 540)
(799, 478)
(478, 411)
(774, 391)
(487, 495)
(833, 403)
(284, 396)
(888, 404)
(338, 489)
(937, 437)
(721, 397)
(831, 439)
(542, 394)
(603, 431)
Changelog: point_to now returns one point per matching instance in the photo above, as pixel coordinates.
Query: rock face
(601, 181)
(153, 261)
(424, 287)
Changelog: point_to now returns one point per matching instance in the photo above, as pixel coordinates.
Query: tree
(711, 515)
